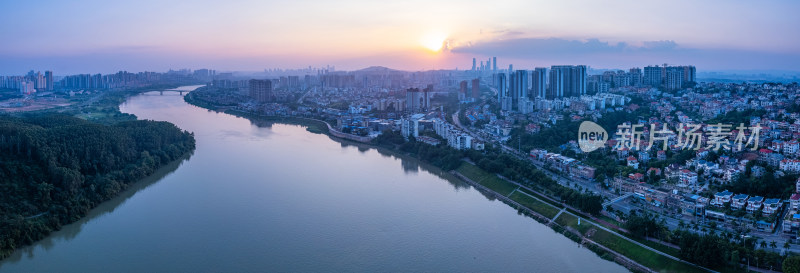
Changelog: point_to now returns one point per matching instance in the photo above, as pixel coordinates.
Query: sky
(95, 36)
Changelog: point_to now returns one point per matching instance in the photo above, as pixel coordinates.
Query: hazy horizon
(100, 37)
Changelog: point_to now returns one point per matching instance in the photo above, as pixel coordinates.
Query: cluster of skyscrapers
(668, 77)
(519, 88)
(116, 80)
(489, 65)
(29, 83)
(37, 81)
(671, 77)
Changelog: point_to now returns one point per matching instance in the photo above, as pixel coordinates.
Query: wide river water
(262, 197)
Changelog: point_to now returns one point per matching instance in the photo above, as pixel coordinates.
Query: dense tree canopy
(55, 168)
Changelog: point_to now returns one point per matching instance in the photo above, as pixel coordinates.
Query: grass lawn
(610, 220)
(541, 197)
(628, 249)
(568, 220)
(641, 255)
(486, 179)
(536, 205)
(663, 248)
(666, 249)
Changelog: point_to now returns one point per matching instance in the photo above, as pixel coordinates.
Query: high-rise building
(502, 87)
(567, 81)
(48, 79)
(427, 93)
(539, 82)
(418, 100)
(652, 76)
(596, 84)
(622, 79)
(636, 76)
(413, 99)
(476, 89)
(674, 78)
(474, 62)
(261, 90)
(689, 74)
(494, 64)
(38, 80)
(26, 88)
(462, 90)
(519, 84)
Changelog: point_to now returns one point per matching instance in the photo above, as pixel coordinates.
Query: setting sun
(434, 42)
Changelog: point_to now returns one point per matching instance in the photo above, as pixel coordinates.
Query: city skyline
(251, 36)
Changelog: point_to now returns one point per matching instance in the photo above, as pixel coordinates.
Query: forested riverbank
(54, 168)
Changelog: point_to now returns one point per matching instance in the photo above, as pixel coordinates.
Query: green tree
(791, 264)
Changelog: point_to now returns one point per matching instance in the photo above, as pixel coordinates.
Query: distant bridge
(172, 90)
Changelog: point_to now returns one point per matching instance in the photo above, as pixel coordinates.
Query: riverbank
(564, 220)
(314, 125)
(532, 204)
(51, 176)
(71, 230)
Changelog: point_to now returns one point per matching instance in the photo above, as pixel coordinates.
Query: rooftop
(723, 194)
(741, 196)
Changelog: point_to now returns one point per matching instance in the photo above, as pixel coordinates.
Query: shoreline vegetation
(531, 199)
(57, 165)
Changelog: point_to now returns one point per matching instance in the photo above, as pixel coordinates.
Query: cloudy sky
(103, 36)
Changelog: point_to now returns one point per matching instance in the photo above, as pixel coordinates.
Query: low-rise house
(731, 174)
(791, 224)
(429, 140)
(754, 204)
(622, 153)
(582, 171)
(771, 206)
(694, 205)
(636, 176)
(644, 156)
(661, 155)
(794, 202)
(791, 147)
(625, 184)
(632, 162)
(654, 171)
(790, 165)
(739, 201)
(721, 198)
(687, 178)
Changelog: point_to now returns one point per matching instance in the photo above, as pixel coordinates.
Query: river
(262, 197)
